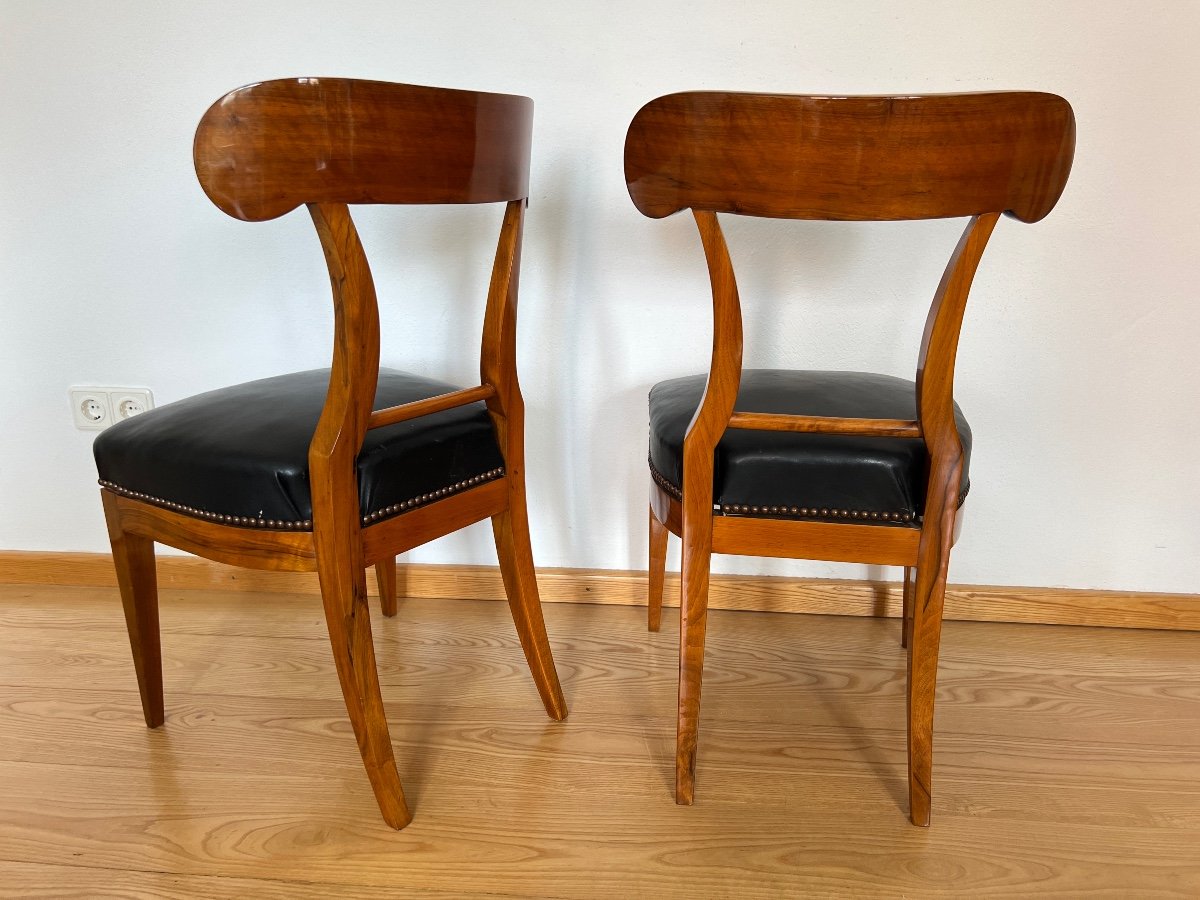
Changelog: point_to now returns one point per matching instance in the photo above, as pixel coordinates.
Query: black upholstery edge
(800, 512)
(306, 525)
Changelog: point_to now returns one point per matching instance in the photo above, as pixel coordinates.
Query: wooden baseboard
(983, 603)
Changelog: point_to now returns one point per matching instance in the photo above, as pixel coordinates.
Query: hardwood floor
(1067, 760)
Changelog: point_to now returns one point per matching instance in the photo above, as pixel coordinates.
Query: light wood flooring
(1067, 760)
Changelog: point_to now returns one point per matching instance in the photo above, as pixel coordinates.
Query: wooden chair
(305, 472)
(841, 466)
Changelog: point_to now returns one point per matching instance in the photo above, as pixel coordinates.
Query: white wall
(1079, 358)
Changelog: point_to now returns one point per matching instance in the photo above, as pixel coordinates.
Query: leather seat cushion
(242, 451)
(822, 476)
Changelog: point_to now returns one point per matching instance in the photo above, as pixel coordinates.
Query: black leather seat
(239, 455)
(785, 474)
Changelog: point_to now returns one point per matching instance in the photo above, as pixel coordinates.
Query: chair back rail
(852, 158)
(849, 158)
(264, 149)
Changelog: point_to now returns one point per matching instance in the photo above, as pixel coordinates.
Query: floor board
(1067, 759)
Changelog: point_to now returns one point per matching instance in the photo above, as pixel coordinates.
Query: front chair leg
(385, 574)
(133, 556)
(511, 530)
(347, 614)
(658, 569)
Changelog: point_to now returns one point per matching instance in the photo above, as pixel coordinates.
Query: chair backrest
(266, 148)
(848, 158)
(325, 143)
(858, 158)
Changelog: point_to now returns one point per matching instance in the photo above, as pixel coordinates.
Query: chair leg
(347, 615)
(906, 616)
(385, 574)
(133, 556)
(924, 641)
(658, 569)
(511, 530)
(693, 619)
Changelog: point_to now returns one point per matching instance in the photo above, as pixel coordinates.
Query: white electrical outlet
(95, 408)
(129, 402)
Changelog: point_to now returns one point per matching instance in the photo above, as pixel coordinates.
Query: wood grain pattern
(853, 158)
(288, 551)
(825, 425)
(658, 571)
(267, 148)
(835, 541)
(261, 151)
(133, 559)
(385, 576)
(425, 523)
(935, 408)
(249, 792)
(417, 408)
(337, 515)
(696, 531)
(757, 593)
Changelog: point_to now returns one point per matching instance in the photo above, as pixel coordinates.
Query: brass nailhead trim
(663, 483)
(305, 525)
(455, 488)
(800, 511)
(220, 518)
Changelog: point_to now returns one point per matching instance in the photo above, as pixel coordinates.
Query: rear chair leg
(511, 530)
(906, 617)
(133, 556)
(385, 574)
(658, 569)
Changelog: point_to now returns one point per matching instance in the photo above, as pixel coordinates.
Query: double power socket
(95, 408)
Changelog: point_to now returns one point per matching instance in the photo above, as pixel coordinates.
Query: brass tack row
(435, 495)
(246, 521)
(823, 513)
(664, 484)
(859, 514)
(305, 525)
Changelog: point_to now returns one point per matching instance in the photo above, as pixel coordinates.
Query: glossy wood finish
(337, 516)
(261, 151)
(1068, 758)
(133, 557)
(878, 158)
(879, 545)
(935, 406)
(907, 588)
(906, 157)
(385, 575)
(418, 408)
(825, 425)
(268, 148)
(658, 571)
(510, 526)
(384, 539)
(705, 430)
(253, 548)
